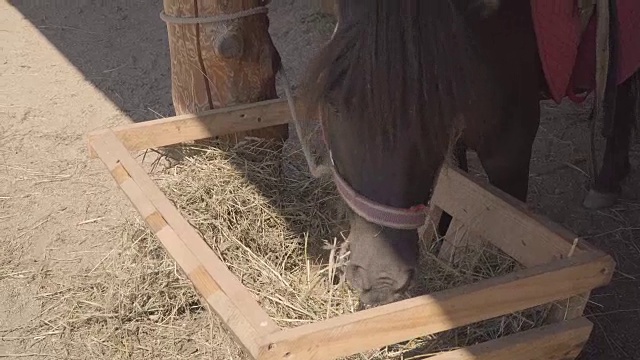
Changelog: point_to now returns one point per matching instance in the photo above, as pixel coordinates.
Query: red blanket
(568, 59)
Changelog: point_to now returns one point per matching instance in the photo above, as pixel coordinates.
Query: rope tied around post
(174, 20)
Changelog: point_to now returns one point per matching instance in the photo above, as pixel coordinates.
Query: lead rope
(316, 170)
(262, 9)
(214, 18)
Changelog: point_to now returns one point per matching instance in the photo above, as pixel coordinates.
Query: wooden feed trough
(559, 268)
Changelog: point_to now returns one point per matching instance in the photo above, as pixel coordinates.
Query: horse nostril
(412, 275)
(410, 278)
(357, 277)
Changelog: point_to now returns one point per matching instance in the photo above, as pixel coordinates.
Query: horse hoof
(596, 200)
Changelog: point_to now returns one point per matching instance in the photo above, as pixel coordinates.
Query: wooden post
(220, 64)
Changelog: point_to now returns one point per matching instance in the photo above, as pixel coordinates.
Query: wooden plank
(562, 341)
(429, 232)
(208, 124)
(240, 303)
(430, 314)
(190, 265)
(501, 219)
(504, 221)
(458, 238)
(568, 309)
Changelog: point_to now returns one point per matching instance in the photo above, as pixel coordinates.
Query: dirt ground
(68, 69)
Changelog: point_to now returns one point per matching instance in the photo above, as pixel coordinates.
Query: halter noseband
(383, 215)
(388, 216)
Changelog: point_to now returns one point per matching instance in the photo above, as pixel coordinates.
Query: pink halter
(383, 215)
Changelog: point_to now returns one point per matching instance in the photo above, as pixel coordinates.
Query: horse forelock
(400, 71)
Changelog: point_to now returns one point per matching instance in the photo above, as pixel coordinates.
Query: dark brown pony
(410, 81)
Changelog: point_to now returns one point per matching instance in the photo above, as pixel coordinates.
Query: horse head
(391, 85)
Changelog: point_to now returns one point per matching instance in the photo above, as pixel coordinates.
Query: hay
(269, 222)
(133, 304)
(279, 231)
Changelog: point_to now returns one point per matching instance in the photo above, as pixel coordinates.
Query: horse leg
(502, 130)
(506, 157)
(615, 163)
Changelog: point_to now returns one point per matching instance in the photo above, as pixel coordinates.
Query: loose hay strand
(278, 230)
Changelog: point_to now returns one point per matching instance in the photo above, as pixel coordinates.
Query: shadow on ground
(563, 146)
(121, 47)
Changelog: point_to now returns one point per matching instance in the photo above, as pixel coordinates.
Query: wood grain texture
(460, 237)
(568, 309)
(203, 281)
(204, 79)
(232, 302)
(119, 174)
(429, 232)
(155, 221)
(504, 221)
(562, 341)
(188, 78)
(430, 314)
(185, 128)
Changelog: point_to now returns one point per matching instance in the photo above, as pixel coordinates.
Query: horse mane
(400, 70)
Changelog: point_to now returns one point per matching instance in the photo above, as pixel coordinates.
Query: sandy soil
(66, 70)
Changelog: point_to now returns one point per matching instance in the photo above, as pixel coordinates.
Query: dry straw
(279, 230)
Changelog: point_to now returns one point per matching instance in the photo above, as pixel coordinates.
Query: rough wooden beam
(190, 127)
(504, 221)
(507, 223)
(430, 314)
(215, 283)
(561, 341)
(457, 241)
